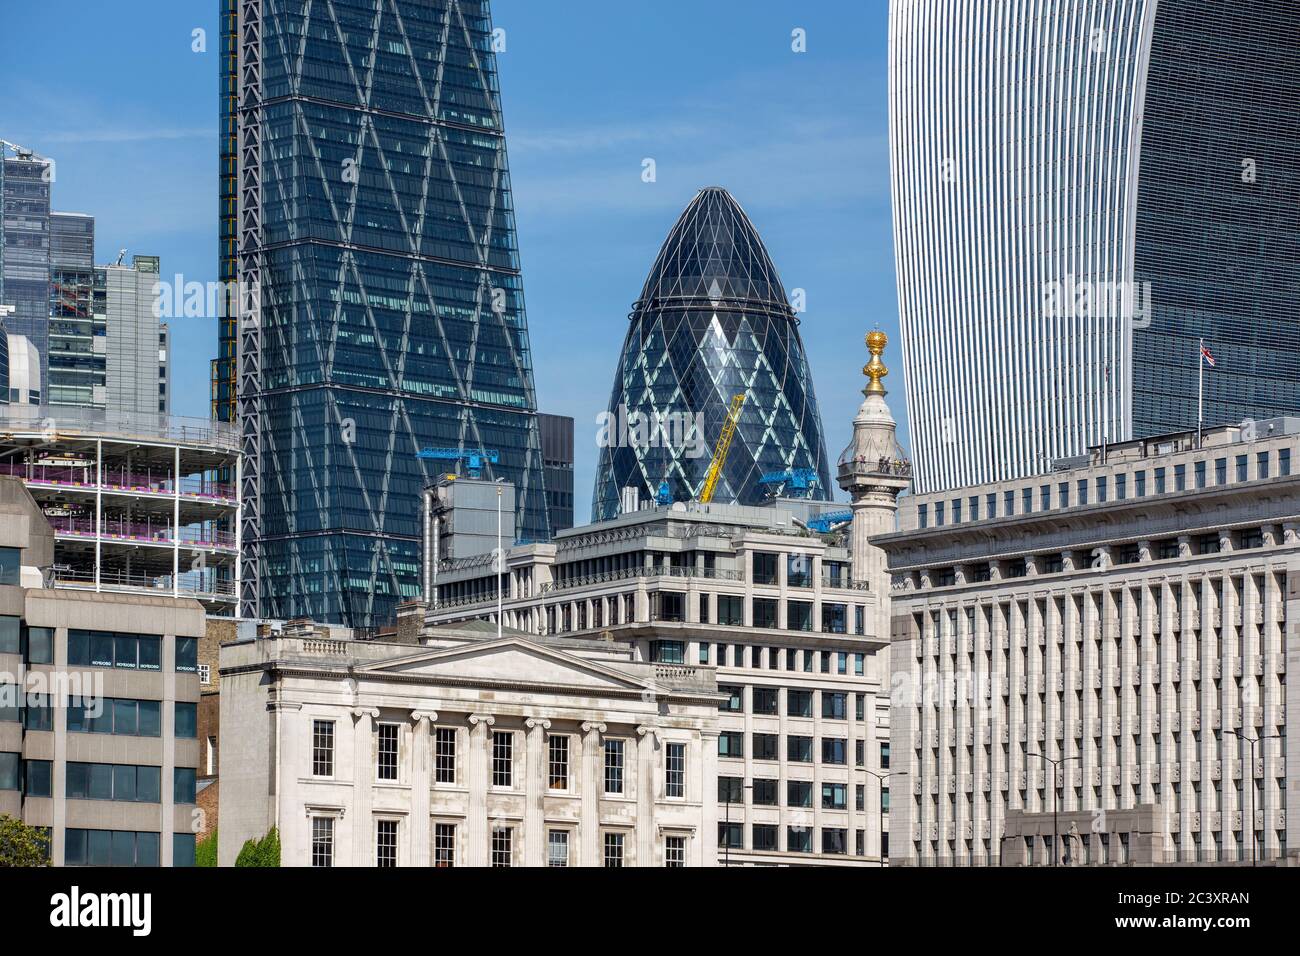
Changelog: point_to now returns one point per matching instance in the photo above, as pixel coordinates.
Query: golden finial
(875, 369)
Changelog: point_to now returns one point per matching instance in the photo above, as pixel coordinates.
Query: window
(798, 749)
(444, 755)
(833, 750)
(764, 792)
(10, 566)
(386, 752)
(1241, 467)
(834, 618)
(1081, 487)
(923, 516)
(764, 836)
(444, 844)
(798, 703)
(205, 674)
(884, 756)
(111, 848)
(704, 645)
(183, 784)
(764, 699)
(613, 766)
(187, 720)
(884, 799)
(798, 571)
(183, 847)
(860, 706)
(798, 840)
(731, 836)
(764, 568)
(1198, 474)
(834, 840)
(860, 797)
(860, 846)
(557, 762)
(40, 645)
(110, 715)
(1101, 490)
(938, 514)
(668, 652)
(675, 770)
(1008, 504)
(322, 841)
(1261, 465)
(1284, 461)
(187, 655)
(557, 848)
(503, 758)
(674, 851)
(212, 756)
(1220, 471)
(798, 793)
(112, 649)
(1026, 500)
(386, 843)
(9, 775)
(765, 612)
(860, 753)
(735, 701)
(991, 505)
(125, 783)
(38, 715)
(765, 746)
(731, 790)
(834, 796)
(731, 743)
(1180, 477)
(956, 511)
(834, 706)
(1121, 487)
(731, 610)
(614, 849)
(503, 839)
(1140, 484)
(39, 778)
(798, 615)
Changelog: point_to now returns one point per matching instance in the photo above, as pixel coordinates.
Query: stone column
(535, 792)
(476, 836)
(363, 736)
(593, 785)
(421, 781)
(647, 791)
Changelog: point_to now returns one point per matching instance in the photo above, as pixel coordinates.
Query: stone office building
(1109, 641)
(746, 594)
(98, 707)
(459, 748)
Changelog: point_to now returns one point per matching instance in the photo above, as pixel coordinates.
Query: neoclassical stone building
(1090, 666)
(460, 748)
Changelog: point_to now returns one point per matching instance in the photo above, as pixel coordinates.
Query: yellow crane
(720, 451)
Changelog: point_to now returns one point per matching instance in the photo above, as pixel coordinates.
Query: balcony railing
(111, 579)
(144, 532)
(117, 479)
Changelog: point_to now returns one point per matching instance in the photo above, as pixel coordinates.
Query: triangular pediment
(510, 660)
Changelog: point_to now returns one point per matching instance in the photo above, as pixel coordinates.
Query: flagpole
(1200, 391)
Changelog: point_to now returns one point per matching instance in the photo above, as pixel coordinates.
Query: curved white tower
(1014, 128)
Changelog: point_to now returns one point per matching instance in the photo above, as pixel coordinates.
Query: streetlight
(726, 849)
(1056, 833)
(1254, 837)
(881, 778)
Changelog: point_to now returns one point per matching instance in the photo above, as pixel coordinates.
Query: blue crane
(799, 481)
(824, 521)
(473, 458)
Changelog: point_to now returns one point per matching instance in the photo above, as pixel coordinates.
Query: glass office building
(1062, 245)
(713, 321)
(25, 221)
(372, 233)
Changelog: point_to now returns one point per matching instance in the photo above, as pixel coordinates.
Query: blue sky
(709, 89)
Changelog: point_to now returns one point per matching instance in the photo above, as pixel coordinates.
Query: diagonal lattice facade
(375, 223)
(713, 321)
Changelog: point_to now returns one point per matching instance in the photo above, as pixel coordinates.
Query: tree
(263, 852)
(205, 853)
(21, 844)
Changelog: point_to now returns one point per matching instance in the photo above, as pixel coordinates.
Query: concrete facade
(771, 609)
(1131, 616)
(463, 749)
(40, 732)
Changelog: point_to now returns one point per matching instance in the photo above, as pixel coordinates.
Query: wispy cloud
(127, 135)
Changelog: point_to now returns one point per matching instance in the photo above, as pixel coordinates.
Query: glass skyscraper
(367, 216)
(1081, 193)
(713, 321)
(25, 225)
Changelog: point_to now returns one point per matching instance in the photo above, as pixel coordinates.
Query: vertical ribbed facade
(1082, 191)
(1012, 128)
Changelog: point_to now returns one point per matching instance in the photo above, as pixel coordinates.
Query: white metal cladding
(1014, 134)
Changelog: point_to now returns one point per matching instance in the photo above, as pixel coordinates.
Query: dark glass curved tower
(712, 322)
